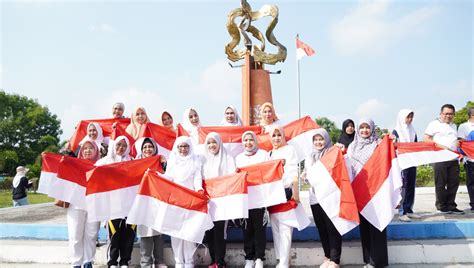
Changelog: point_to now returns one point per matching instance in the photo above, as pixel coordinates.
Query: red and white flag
(105, 124)
(170, 209)
(468, 148)
(111, 188)
(303, 49)
(49, 171)
(332, 188)
(70, 185)
(377, 186)
(265, 184)
(231, 136)
(163, 136)
(412, 154)
(120, 131)
(291, 214)
(228, 197)
(180, 131)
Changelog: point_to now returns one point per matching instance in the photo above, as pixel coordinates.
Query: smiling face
(148, 149)
(212, 146)
(120, 147)
(249, 143)
(167, 120)
(193, 118)
(141, 117)
(267, 114)
(277, 139)
(409, 118)
(447, 115)
(319, 142)
(117, 111)
(183, 149)
(364, 130)
(350, 129)
(92, 132)
(89, 151)
(229, 115)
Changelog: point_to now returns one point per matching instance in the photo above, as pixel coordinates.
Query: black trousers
(121, 237)
(408, 190)
(374, 244)
(446, 176)
(255, 235)
(217, 243)
(330, 237)
(469, 168)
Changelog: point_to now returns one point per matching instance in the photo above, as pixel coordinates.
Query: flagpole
(299, 105)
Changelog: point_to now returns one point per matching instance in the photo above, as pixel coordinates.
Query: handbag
(61, 203)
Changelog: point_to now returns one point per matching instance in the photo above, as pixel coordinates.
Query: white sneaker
(113, 266)
(413, 216)
(405, 218)
(258, 263)
(325, 263)
(123, 266)
(249, 263)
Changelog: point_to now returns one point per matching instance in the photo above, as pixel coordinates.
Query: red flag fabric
(163, 136)
(303, 49)
(412, 154)
(468, 148)
(49, 170)
(180, 131)
(291, 214)
(105, 124)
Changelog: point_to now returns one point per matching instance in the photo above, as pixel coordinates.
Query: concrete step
(409, 252)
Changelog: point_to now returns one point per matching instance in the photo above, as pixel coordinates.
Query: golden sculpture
(245, 26)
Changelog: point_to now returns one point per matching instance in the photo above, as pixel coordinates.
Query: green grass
(33, 198)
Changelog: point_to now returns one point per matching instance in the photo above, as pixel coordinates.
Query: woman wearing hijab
(184, 168)
(167, 121)
(282, 233)
(82, 233)
(95, 134)
(330, 238)
(20, 185)
(347, 135)
(254, 229)
(217, 163)
(191, 123)
(374, 242)
(121, 235)
(405, 132)
(268, 118)
(231, 117)
(138, 119)
(151, 241)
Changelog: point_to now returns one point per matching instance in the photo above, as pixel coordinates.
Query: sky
(373, 58)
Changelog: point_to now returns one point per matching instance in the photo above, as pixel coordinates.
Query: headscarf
(187, 125)
(361, 149)
(181, 167)
(406, 133)
(97, 152)
(100, 136)
(238, 120)
(345, 138)
(134, 127)
(216, 164)
(255, 147)
(20, 173)
(282, 133)
(111, 156)
(139, 146)
(161, 120)
(315, 153)
(262, 120)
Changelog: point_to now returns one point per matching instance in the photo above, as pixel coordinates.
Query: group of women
(187, 167)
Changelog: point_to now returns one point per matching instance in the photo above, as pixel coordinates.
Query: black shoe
(457, 211)
(445, 211)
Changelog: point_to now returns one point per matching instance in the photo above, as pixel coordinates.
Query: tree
(330, 127)
(26, 130)
(461, 115)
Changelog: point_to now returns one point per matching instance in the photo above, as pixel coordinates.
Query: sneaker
(249, 263)
(405, 218)
(214, 265)
(325, 263)
(413, 216)
(457, 211)
(258, 263)
(87, 265)
(332, 265)
(472, 210)
(445, 211)
(161, 265)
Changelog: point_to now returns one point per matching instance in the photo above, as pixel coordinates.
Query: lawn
(34, 198)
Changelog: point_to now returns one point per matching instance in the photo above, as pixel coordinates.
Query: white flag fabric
(412, 154)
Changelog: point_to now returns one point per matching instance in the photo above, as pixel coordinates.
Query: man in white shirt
(443, 133)
(463, 133)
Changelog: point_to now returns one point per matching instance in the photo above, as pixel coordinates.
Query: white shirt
(443, 133)
(464, 129)
(288, 153)
(243, 160)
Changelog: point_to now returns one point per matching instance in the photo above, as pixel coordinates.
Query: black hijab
(345, 138)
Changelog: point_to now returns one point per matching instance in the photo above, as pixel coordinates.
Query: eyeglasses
(448, 114)
(183, 146)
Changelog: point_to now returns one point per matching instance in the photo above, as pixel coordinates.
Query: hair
(119, 104)
(449, 106)
(470, 111)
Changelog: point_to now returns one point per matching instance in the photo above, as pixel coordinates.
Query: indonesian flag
(70, 185)
(377, 186)
(180, 131)
(468, 148)
(332, 188)
(163, 136)
(298, 133)
(120, 131)
(303, 49)
(111, 188)
(412, 154)
(170, 209)
(49, 170)
(231, 136)
(265, 185)
(228, 197)
(105, 124)
(291, 214)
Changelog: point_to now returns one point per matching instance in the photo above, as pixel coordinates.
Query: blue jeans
(408, 190)
(20, 202)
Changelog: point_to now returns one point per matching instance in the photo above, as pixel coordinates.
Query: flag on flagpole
(105, 124)
(228, 197)
(170, 209)
(332, 187)
(377, 186)
(49, 171)
(412, 154)
(265, 184)
(468, 148)
(303, 49)
(291, 214)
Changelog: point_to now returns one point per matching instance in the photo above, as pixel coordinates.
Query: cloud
(460, 89)
(102, 28)
(370, 27)
(220, 82)
(370, 108)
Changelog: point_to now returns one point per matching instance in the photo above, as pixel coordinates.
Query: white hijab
(406, 133)
(182, 167)
(112, 157)
(20, 173)
(100, 136)
(219, 164)
(237, 122)
(187, 125)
